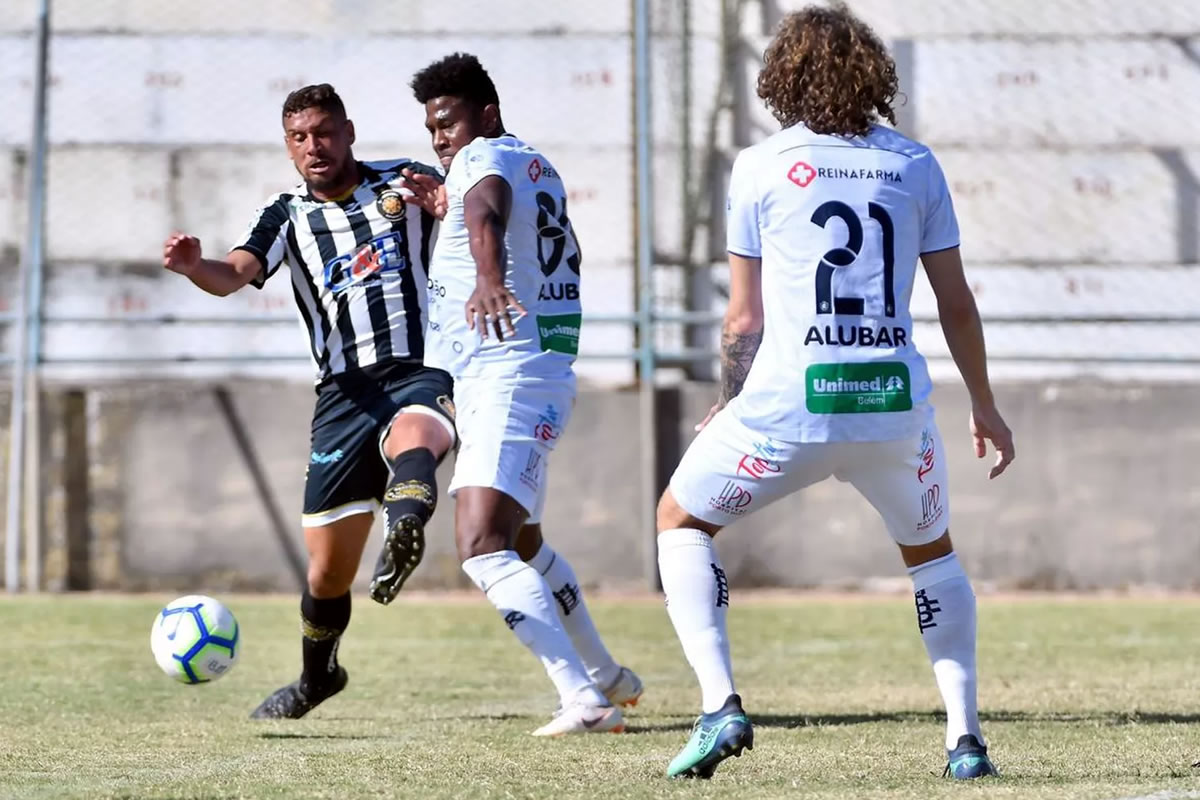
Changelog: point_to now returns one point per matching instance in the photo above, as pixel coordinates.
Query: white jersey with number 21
(542, 269)
(839, 223)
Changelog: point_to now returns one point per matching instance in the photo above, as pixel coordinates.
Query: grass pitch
(1082, 698)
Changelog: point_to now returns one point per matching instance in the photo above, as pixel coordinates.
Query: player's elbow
(743, 320)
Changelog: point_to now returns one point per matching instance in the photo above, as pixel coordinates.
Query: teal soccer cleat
(968, 760)
(715, 737)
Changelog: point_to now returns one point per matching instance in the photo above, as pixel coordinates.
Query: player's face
(453, 124)
(319, 145)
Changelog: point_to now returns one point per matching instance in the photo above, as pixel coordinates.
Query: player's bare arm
(486, 208)
(742, 329)
(963, 329)
(182, 254)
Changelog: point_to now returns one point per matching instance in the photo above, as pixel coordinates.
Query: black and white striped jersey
(359, 266)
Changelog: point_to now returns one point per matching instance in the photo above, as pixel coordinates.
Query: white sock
(573, 612)
(520, 594)
(697, 600)
(946, 617)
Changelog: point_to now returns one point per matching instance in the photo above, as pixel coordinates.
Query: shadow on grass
(276, 735)
(1113, 718)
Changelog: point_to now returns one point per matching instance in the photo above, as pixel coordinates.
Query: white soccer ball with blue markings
(195, 639)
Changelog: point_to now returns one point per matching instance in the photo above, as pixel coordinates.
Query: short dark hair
(321, 95)
(457, 75)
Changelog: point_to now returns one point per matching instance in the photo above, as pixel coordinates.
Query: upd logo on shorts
(802, 174)
(560, 332)
(857, 388)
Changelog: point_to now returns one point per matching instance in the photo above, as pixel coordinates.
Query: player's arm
(742, 329)
(182, 254)
(963, 330)
(486, 207)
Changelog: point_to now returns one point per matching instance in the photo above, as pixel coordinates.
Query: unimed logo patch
(857, 388)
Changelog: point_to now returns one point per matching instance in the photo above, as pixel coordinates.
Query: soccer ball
(195, 639)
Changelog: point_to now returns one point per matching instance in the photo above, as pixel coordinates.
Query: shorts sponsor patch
(447, 405)
(559, 333)
(857, 388)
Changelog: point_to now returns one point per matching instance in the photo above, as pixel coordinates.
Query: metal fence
(1070, 133)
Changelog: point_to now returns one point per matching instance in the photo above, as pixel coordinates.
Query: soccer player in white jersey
(382, 420)
(820, 377)
(504, 316)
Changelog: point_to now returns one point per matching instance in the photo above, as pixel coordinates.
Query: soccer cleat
(403, 546)
(294, 700)
(715, 737)
(625, 690)
(583, 718)
(968, 760)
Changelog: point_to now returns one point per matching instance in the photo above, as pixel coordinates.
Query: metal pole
(31, 261)
(36, 250)
(645, 302)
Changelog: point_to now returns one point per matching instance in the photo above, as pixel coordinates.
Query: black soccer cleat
(968, 760)
(403, 547)
(294, 701)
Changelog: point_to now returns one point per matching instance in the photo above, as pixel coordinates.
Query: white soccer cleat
(626, 689)
(583, 718)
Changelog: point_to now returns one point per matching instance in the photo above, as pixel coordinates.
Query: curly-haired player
(504, 317)
(826, 222)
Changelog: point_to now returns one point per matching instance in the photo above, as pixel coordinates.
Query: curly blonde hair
(827, 69)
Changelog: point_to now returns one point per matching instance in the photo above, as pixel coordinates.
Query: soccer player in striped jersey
(358, 255)
(505, 248)
(827, 220)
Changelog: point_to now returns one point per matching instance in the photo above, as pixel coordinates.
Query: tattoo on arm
(737, 353)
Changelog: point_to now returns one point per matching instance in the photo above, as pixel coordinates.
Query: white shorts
(730, 471)
(507, 431)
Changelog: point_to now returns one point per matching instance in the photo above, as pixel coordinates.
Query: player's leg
(906, 482)
(499, 476)
(727, 472)
(334, 550)
(619, 684)
(418, 435)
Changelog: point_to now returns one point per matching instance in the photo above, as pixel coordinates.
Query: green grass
(1082, 698)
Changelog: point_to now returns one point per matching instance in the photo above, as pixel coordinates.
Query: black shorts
(346, 471)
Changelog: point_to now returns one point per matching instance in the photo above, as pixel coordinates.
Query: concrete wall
(1103, 494)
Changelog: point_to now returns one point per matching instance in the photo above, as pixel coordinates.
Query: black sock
(322, 622)
(413, 488)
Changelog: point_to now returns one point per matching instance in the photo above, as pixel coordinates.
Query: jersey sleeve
(481, 161)
(741, 209)
(266, 238)
(939, 229)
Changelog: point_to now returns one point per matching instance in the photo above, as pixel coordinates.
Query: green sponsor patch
(560, 332)
(857, 388)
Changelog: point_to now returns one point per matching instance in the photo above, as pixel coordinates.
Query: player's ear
(491, 119)
(350, 130)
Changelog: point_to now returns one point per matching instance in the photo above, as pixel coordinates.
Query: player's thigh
(420, 410)
(334, 552)
(730, 470)
(906, 481)
(345, 475)
(507, 433)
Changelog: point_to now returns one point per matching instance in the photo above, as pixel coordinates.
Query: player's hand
(427, 192)
(987, 424)
(492, 304)
(181, 253)
(712, 412)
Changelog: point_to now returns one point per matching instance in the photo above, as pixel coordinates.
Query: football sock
(322, 622)
(413, 486)
(523, 598)
(946, 618)
(573, 611)
(697, 601)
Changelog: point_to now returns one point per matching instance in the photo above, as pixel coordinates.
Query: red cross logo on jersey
(802, 174)
(535, 170)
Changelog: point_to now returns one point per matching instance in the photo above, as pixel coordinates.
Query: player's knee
(670, 514)
(412, 430)
(327, 579)
(479, 541)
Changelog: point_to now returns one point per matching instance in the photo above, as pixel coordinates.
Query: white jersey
(839, 223)
(543, 261)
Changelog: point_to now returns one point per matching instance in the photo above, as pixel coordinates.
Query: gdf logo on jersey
(802, 174)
